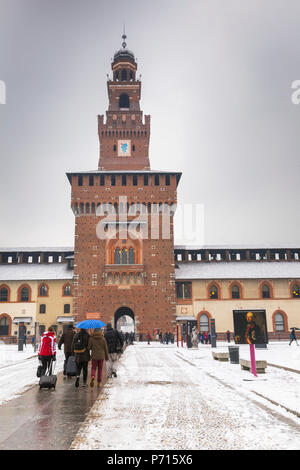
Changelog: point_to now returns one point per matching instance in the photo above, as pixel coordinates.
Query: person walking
(206, 337)
(114, 344)
(148, 336)
(228, 336)
(98, 347)
(82, 355)
(25, 339)
(66, 339)
(293, 337)
(47, 350)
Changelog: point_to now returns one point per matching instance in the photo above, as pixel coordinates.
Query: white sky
(216, 79)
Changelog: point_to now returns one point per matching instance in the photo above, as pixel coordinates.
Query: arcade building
(124, 262)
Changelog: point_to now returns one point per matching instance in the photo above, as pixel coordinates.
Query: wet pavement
(44, 419)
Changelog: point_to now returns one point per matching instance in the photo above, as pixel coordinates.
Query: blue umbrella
(89, 324)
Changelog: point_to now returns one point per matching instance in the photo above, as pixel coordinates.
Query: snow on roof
(33, 272)
(239, 270)
(259, 246)
(35, 249)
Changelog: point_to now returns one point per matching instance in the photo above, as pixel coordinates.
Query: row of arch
(124, 278)
(24, 293)
(124, 75)
(279, 321)
(236, 290)
(133, 209)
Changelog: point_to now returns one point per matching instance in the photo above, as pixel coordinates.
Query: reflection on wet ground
(44, 419)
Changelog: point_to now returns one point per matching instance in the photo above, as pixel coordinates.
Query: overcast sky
(216, 79)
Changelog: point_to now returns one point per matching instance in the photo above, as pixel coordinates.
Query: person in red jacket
(47, 350)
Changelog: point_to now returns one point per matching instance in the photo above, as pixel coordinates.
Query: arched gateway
(121, 320)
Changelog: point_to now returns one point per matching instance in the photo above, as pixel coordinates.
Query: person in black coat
(293, 337)
(67, 339)
(114, 344)
(82, 355)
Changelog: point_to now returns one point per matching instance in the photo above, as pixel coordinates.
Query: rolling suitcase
(47, 380)
(71, 369)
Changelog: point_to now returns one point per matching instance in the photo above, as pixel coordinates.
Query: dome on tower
(124, 52)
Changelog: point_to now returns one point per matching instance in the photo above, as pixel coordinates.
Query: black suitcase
(47, 380)
(71, 369)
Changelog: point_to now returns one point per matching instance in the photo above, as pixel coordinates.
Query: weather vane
(124, 37)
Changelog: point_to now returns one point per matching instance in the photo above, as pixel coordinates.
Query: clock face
(124, 148)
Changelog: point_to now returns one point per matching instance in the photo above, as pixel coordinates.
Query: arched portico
(123, 312)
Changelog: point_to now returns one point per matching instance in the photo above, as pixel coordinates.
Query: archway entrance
(124, 320)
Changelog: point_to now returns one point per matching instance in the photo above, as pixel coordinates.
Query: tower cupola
(124, 65)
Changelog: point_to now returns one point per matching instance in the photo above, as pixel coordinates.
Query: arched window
(124, 75)
(124, 101)
(67, 290)
(265, 291)
(43, 291)
(4, 326)
(131, 256)
(124, 256)
(296, 291)
(117, 256)
(279, 322)
(24, 297)
(213, 292)
(3, 294)
(204, 322)
(235, 292)
(131, 76)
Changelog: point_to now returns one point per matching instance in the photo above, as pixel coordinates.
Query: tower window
(79, 180)
(123, 180)
(145, 180)
(91, 180)
(133, 148)
(167, 180)
(115, 148)
(156, 180)
(113, 180)
(131, 76)
(135, 182)
(124, 75)
(124, 101)
(102, 180)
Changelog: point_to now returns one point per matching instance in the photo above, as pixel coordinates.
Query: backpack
(79, 346)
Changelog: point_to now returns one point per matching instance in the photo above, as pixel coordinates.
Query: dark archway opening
(124, 320)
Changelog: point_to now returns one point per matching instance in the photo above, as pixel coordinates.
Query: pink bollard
(252, 358)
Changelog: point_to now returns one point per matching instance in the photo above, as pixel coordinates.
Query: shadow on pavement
(44, 419)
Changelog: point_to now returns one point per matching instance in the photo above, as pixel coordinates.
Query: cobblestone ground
(161, 401)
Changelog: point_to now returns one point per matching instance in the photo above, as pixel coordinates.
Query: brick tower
(124, 245)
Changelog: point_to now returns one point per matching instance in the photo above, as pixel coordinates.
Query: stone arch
(121, 312)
